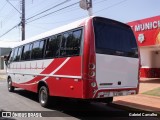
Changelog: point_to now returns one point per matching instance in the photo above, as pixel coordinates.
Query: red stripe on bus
(50, 68)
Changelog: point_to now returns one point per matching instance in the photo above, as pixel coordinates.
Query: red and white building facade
(147, 33)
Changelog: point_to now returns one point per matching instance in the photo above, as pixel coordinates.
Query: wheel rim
(43, 96)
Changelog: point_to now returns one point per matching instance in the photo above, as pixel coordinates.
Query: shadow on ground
(67, 108)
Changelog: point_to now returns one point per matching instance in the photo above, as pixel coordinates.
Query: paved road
(22, 100)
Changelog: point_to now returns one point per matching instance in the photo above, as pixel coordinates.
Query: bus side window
(37, 50)
(73, 43)
(52, 47)
(65, 51)
(15, 54)
(11, 56)
(63, 45)
(59, 38)
(18, 57)
(41, 48)
(26, 52)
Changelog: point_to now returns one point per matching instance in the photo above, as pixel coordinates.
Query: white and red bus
(91, 59)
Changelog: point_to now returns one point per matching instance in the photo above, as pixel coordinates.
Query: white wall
(155, 59)
(150, 57)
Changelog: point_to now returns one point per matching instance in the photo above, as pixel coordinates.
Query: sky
(120, 10)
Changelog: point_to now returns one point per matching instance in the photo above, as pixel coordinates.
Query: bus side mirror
(6, 59)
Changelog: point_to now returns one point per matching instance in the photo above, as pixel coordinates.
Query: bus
(91, 59)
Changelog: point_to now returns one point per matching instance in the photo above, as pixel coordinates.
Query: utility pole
(23, 19)
(90, 12)
(86, 5)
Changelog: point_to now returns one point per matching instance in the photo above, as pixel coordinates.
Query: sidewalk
(2, 74)
(142, 101)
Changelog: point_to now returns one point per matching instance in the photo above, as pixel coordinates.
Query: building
(5, 48)
(147, 33)
(3, 52)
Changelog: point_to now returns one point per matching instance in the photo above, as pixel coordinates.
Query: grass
(154, 92)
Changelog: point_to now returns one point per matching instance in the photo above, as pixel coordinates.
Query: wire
(9, 16)
(9, 30)
(14, 7)
(41, 16)
(47, 9)
(111, 6)
(53, 12)
(3, 7)
(68, 11)
(100, 1)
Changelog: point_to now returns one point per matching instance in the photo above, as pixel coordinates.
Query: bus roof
(58, 30)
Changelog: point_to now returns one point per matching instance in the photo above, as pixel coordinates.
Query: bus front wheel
(44, 96)
(10, 87)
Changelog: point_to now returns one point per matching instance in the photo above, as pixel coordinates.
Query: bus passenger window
(15, 54)
(37, 50)
(70, 45)
(73, 43)
(11, 56)
(63, 44)
(52, 47)
(18, 57)
(41, 49)
(76, 42)
(26, 52)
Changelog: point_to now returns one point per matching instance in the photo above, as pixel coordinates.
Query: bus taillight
(92, 72)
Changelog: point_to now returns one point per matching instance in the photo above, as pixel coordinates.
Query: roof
(58, 30)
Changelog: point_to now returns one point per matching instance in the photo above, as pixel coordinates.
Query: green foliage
(154, 92)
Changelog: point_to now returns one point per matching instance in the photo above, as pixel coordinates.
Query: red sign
(147, 31)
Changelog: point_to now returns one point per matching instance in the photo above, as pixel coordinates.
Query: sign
(147, 31)
(147, 26)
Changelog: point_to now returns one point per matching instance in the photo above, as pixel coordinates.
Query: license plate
(117, 93)
(106, 94)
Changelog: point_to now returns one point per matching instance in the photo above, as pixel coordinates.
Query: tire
(44, 98)
(109, 100)
(10, 87)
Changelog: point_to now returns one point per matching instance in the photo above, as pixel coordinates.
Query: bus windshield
(114, 38)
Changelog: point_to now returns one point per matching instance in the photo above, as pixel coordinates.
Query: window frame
(29, 50)
(43, 49)
(16, 54)
(45, 43)
(81, 41)
(47, 40)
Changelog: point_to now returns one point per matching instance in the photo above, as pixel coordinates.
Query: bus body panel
(62, 75)
(116, 71)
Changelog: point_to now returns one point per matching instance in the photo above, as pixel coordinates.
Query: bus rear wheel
(10, 87)
(44, 97)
